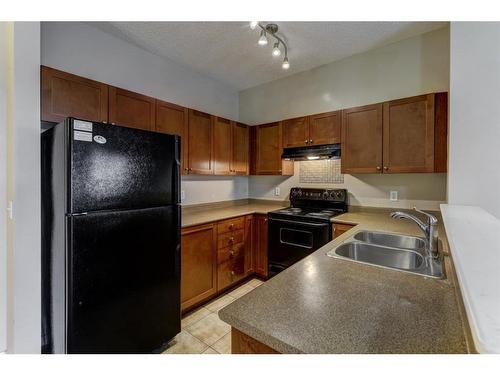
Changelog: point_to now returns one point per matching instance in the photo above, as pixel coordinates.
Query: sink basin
(391, 240)
(381, 256)
(394, 251)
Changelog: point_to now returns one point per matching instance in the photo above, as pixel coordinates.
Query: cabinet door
(260, 242)
(127, 108)
(248, 241)
(362, 139)
(339, 228)
(173, 119)
(239, 162)
(198, 264)
(222, 146)
(200, 135)
(296, 132)
(324, 128)
(64, 95)
(268, 150)
(409, 135)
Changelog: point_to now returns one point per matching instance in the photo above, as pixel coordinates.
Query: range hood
(331, 151)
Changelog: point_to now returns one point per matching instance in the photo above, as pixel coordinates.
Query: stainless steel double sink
(394, 251)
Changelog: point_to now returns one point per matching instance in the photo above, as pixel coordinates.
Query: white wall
(84, 50)
(410, 67)
(23, 186)
(474, 159)
(87, 51)
(423, 191)
(204, 189)
(4, 61)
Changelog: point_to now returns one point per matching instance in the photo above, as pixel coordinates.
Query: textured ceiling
(228, 51)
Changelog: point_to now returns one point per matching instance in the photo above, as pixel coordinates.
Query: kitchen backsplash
(321, 172)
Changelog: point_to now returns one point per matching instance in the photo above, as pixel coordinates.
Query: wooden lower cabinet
(216, 256)
(232, 253)
(244, 344)
(260, 248)
(231, 271)
(198, 264)
(340, 228)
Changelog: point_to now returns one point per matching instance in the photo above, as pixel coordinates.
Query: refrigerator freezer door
(123, 280)
(114, 167)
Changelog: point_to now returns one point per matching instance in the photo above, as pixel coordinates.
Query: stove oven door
(292, 240)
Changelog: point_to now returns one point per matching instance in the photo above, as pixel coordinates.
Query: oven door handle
(300, 222)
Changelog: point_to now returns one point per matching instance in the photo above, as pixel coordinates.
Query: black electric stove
(299, 230)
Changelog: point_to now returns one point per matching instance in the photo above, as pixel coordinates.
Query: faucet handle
(431, 218)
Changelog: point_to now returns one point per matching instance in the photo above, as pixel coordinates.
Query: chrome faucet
(429, 229)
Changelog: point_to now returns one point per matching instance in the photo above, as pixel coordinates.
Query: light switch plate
(277, 191)
(183, 195)
(393, 196)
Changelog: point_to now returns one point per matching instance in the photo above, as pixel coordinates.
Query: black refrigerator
(110, 239)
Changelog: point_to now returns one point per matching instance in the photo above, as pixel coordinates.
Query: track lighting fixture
(286, 64)
(263, 39)
(272, 30)
(276, 49)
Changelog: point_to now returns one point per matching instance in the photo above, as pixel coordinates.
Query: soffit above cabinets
(228, 51)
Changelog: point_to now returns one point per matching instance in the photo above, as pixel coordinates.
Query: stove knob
(340, 194)
(332, 194)
(325, 195)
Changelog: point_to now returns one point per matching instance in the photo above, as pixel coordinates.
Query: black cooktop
(313, 204)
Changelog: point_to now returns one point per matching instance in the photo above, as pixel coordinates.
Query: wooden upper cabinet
(296, 132)
(173, 119)
(240, 146)
(409, 135)
(222, 146)
(441, 132)
(267, 146)
(64, 95)
(127, 108)
(198, 264)
(200, 134)
(267, 150)
(362, 139)
(325, 128)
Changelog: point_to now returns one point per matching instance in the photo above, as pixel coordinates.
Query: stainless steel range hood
(331, 151)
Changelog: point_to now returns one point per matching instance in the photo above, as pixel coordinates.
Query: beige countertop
(330, 305)
(206, 213)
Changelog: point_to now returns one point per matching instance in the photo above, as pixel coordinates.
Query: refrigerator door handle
(176, 172)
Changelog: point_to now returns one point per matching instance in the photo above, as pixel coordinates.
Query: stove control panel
(327, 195)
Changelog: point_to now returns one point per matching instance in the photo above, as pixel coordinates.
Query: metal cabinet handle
(386, 168)
(310, 141)
(231, 226)
(232, 273)
(231, 253)
(306, 141)
(378, 168)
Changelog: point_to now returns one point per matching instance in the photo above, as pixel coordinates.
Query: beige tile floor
(202, 330)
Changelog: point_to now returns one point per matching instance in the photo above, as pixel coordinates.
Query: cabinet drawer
(230, 253)
(230, 238)
(230, 225)
(230, 272)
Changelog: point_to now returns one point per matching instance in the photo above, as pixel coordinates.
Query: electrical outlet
(393, 196)
(277, 191)
(183, 195)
